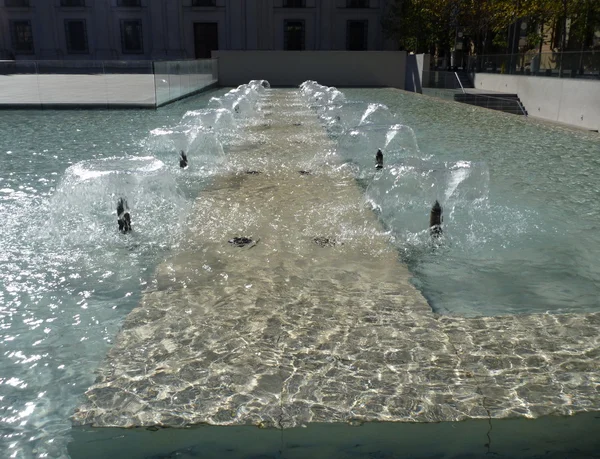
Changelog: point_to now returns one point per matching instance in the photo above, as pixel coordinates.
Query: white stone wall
(566, 100)
(172, 80)
(167, 26)
(331, 68)
(38, 91)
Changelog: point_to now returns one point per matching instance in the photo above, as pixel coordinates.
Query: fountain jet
(183, 161)
(435, 220)
(123, 217)
(379, 159)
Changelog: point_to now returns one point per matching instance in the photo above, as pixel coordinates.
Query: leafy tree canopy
(428, 25)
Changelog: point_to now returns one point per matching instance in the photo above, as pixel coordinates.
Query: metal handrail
(99, 66)
(461, 86)
(521, 107)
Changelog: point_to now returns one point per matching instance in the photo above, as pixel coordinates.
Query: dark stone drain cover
(242, 241)
(324, 241)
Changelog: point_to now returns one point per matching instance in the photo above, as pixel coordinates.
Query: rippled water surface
(520, 229)
(522, 239)
(67, 277)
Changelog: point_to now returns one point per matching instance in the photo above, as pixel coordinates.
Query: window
(206, 39)
(204, 2)
(16, 3)
(72, 2)
(357, 3)
(129, 3)
(293, 39)
(22, 37)
(131, 36)
(356, 35)
(76, 36)
(294, 3)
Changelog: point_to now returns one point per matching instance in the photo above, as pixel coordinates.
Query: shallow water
(521, 227)
(67, 277)
(520, 232)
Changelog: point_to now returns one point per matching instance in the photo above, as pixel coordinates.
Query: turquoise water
(520, 227)
(67, 277)
(521, 223)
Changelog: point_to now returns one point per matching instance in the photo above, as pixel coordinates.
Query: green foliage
(534, 39)
(500, 41)
(417, 25)
(427, 25)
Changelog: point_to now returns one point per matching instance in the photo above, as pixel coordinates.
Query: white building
(174, 29)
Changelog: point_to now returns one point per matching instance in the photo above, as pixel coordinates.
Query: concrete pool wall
(571, 101)
(331, 68)
(574, 102)
(162, 82)
(100, 84)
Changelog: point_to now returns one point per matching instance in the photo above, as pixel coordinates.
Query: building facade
(180, 29)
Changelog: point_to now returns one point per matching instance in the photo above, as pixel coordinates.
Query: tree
(421, 25)
(431, 25)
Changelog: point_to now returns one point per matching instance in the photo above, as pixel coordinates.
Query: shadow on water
(549, 437)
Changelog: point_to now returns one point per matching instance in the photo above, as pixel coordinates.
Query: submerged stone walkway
(293, 330)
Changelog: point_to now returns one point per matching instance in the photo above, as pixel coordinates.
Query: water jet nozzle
(123, 217)
(435, 220)
(379, 159)
(183, 161)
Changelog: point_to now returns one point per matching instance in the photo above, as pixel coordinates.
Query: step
(508, 103)
(489, 103)
(488, 95)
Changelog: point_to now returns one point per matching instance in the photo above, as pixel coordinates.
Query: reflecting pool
(520, 221)
(520, 202)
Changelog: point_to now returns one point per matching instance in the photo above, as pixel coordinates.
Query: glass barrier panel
(109, 82)
(18, 68)
(161, 82)
(130, 83)
(128, 67)
(69, 67)
(176, 79)
(19, 83)
(185, 78)
(568, 64)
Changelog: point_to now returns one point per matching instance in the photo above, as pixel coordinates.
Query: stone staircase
(509, 103)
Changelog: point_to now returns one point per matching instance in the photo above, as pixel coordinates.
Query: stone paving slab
(290, 332)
